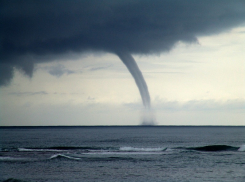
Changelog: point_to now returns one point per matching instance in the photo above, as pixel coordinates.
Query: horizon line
(12, 126)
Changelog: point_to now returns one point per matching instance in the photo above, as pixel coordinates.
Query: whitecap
(7, 158)
(36, 150)
(64, 156)
(136, 149)
(242, 148)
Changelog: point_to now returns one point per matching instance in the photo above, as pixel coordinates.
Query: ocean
(122, 153)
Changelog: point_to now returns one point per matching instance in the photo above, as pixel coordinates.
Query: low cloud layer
(38, 31)
(59, 70)
(28, 93)
(201, 105)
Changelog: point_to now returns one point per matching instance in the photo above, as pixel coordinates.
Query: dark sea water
(133, 153)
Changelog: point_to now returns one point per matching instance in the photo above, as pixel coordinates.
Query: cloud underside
(38, 31)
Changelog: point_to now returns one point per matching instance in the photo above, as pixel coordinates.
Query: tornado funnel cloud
(133, 68)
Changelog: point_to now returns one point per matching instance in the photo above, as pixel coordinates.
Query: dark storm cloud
(33, 30)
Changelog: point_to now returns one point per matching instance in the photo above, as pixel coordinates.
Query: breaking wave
(104, 153)
(158, 149)
(61, 148)
(242, 148)
(64, 156)
(94, 149)
(95, 158)
(13, 159)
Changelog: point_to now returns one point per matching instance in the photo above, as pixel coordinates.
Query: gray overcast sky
(59, 63)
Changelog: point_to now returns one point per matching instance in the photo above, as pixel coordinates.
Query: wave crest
(214, 148)
(64, 156)
(135, 149)
(242, 148)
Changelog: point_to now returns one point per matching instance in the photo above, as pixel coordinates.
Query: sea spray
(242, 148)
(148, 117)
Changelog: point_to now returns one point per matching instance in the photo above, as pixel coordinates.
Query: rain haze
(122, 62)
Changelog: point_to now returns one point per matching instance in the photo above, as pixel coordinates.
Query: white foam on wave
(36, 150)
(65, 156)
(242, 148)
(136, 149)
(7, 158)
(123, 153)
(25, 150)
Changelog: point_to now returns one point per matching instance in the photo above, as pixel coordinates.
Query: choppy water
(122, 154)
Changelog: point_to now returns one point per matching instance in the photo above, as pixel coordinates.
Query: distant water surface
(123, 153)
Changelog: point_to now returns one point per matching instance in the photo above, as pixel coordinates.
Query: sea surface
(122, 153)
